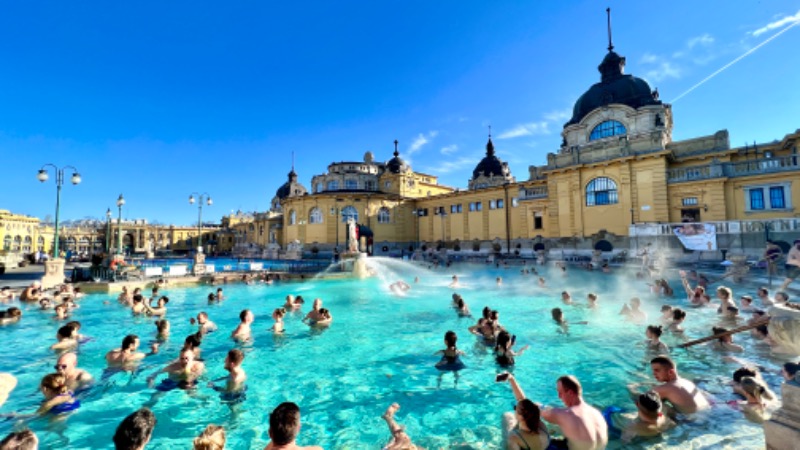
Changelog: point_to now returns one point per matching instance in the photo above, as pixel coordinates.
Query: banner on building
(697, 236)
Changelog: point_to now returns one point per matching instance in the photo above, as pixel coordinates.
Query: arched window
(333, 185)
(383, 215)
(350, 184)
(27, 244)
(315, 215)
(319, 187)
(7, 243)
(292, 217)
(601, 191)
(349, 212)
(607, 129)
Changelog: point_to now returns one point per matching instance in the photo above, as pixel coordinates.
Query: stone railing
(733, 169)
(723, 227)
(533, 193)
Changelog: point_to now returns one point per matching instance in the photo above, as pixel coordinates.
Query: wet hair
(756, 388)
(656, 329)
(733, 309)
(219, 289)
(243, 314)
(66, 331)
(138, 298)
(236, 356)
(74, 324)
(663, 361)
(211, 297)
(284, 423)
(530, 414)
(325, 313)
(494, 316)
(487, 313)
(129, 340)
(135, 430)
(460, 302)
(193, 340)
(503, 339)
(161, 325)
(763, 329)
(744, 371)
(299, 299)
(591, 296)
(60, 307)
(666, 308)
(782, 294)
(763, 290)
(212, 438)
(20, 440)
(719, 330)
(165, 298)
(678, 314)
(649, 404)
(450, 338)
(557, 314)
(55, 382)
(725, 291)
(571, 384)
(203, 314)
(135, 290)
(746, 298)
(13, 312)
(155, 289)
(791, 368)
(280, 312)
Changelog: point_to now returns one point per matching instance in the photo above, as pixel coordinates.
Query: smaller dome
(396, 164)
(490, 165)
(369, 158)
(291, 187)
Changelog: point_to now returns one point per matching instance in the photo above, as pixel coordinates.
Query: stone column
(782, 431)
(53, 273)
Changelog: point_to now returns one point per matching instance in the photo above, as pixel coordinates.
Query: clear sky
(157, 99)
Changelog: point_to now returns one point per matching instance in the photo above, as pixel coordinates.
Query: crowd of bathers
(581, 426)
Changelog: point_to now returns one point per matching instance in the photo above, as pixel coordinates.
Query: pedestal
(199, 267)
(782, 431)
(360, 269)
(53, 273)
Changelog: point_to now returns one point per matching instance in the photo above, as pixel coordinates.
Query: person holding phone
(504, 352)
(522, 429)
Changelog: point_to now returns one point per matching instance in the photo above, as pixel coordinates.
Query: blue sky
(156, 100)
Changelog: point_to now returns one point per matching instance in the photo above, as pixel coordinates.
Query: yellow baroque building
(617, 169)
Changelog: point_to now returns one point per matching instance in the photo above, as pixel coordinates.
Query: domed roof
(614, 87)
(286, 188)
(490, 164)
(396, 164)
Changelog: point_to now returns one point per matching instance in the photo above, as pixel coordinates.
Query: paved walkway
(24, 276)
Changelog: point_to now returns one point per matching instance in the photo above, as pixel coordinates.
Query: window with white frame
(315, 215)
(768, 197)
(383, 215)
(689, 201)
(514, 202)
(501, 204)
(292, 217)
(349, 212)
(455, 209)
(350, 184)
(333, 185)
(492, 204)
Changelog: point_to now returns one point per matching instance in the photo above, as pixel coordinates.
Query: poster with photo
(697, 236)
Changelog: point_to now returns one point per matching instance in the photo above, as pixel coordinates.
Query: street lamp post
(417, 213)
(54, 270)
(108, 231)
(120, 202)
(200, 197)
(442, 215)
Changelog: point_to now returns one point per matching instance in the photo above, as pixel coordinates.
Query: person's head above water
(664, 369)
(20, 440)
(134, 432)
(162, 326)
(744, 371)
(678, 314)
(246, 316)
(284, 423)
(130, 342)
(649, 405)
(569, 390)
(655, 330)
(234, 358)
(528, 414)
(557, 314)
(450, 339)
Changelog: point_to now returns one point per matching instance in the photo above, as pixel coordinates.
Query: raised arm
(518, 394)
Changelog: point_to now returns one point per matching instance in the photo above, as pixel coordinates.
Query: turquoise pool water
(379, 350)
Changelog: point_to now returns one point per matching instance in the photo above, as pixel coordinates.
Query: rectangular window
(514, 202)
(776, 198)
(689, 201)
(478, 206)
(537, 223)
(492, 204)
(501, 204)
(757, 198)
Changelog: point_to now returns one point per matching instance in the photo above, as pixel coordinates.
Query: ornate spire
(610, 45)
(396, 153)
(489, 144)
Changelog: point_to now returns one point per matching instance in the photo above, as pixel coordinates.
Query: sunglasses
(60, 366)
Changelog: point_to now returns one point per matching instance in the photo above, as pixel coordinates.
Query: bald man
(77, 379)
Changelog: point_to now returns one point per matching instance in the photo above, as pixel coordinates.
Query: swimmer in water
(277, 316)
(205, 325)
(45, 304)
(67, 337)
(649, 420)
(160, 309)
(504, 352)
(678, 316)
(758, 399)
(566, 298)
(326, 320)
(291, 304)
(653, 342)
(162, 330)
(11, 315)
(126, 355)
(697, 296)
(399, 287)
(558, 317)
(400, 440)
(462, 309)
(542, 282)
(6, 295)
(499, 281)
(138, 305)
(666, 315)
(591, 298)
(683, 396)
(242, 331)
(61, 312)
(125, 298)
(220, 296)
(725, 343)
(58, 399)
(454, 283)
(76, 379)
(182, 373)
(314, 315)
(235, 381)
(633, 312)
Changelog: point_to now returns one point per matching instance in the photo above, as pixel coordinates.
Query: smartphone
(501, 377)
(513, 339)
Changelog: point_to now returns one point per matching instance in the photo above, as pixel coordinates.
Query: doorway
(690, 215)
